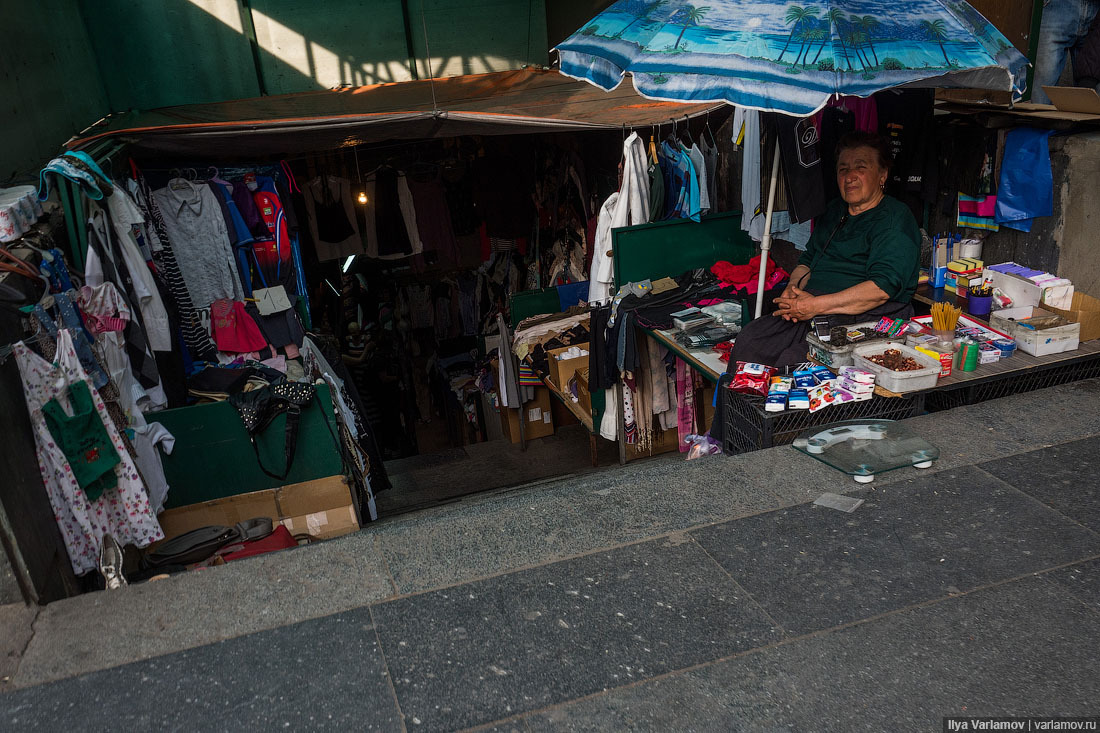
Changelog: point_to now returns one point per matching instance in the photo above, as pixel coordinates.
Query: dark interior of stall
(405, 253)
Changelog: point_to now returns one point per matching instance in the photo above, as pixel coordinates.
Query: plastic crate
(748, 427)
(1010, 384)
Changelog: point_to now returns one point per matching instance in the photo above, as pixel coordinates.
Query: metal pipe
(254, 42)
(409, 51)
(766, 242)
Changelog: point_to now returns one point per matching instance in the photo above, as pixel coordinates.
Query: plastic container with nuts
(924, 377)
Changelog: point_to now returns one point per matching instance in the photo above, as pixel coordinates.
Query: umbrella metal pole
(766, 242)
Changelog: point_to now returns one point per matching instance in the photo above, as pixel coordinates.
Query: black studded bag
(258, 407)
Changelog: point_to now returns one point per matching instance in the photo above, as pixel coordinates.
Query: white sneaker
(110, 563)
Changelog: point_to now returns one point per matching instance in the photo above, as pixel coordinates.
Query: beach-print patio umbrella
(789, 57)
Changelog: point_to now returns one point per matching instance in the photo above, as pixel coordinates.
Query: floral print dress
(124, 511)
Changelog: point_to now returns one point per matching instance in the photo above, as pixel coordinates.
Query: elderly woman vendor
(861, 263)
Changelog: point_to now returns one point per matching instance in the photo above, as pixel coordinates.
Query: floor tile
(1082, 581)
(1015, 649)
(487, 650)
(324, 674)
(912, 541)
(83, 634)
(587, 514)
(1062, 476)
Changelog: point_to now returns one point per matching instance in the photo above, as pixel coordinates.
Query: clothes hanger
(652, 147)
(713, 143)
(687, 131)
(671, 138)
(27, 242)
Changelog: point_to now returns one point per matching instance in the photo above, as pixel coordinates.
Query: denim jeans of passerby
(1065, 25)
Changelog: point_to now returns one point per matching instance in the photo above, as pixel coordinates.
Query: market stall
(289, 307)
(270, 331)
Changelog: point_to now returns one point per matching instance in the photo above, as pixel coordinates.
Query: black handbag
(258, 407)
(199, 544)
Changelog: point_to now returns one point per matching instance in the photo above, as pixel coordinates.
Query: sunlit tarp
(487, 104)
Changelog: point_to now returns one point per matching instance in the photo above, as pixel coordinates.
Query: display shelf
(704, 361)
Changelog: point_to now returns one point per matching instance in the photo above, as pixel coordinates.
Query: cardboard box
(223, 512)
(664, 441)
(1085, 310)
(538, 418)
(1024, 292)
(322, 508)
(1038, 332)
(584, 397)
(562, 370)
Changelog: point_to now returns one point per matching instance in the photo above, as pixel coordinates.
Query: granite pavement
(701, 595)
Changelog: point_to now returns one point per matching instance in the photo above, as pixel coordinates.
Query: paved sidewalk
(668, 595)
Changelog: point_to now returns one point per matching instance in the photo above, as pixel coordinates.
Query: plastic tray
(899, 382)
(835, 357)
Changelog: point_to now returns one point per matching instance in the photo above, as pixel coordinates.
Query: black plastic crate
(748, 427)
(971, 393)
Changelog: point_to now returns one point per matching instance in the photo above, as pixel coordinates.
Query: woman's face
(859, 175)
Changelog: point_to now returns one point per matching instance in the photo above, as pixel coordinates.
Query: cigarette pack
(798, 399)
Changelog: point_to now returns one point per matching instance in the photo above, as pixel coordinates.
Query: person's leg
(1060, 31)
(1086, 55)
(768, 340)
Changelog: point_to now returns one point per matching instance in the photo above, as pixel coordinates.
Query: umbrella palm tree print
(835, 16)
(868, 24)
(810, 37)
(690, 16)
(936, 31)
(643, 10)
(798, 15)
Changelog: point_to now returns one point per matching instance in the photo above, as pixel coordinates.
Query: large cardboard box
(538, 418)
(562, 370)
(1037, 331)
(322, 508)
(1085, 310)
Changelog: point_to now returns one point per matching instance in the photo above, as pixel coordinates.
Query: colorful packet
(752, 378)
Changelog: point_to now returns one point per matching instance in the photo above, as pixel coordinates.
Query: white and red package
(751, 378)
(821, 397)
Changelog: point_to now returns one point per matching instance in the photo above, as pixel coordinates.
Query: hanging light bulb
(359, 175)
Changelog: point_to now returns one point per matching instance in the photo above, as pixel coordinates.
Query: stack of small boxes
(818, 387)
(961, 274)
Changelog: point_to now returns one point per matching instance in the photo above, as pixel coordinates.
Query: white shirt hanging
(123, 511)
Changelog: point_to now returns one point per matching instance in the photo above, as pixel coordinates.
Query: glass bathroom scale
(864, 448)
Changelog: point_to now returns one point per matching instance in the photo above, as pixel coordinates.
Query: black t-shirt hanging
(905, 123)
(332, 219)
(393, 237)
(802, 166)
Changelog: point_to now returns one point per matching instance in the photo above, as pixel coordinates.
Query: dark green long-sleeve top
(881, 245)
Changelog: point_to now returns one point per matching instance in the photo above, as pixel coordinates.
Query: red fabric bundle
(280, 539)
(743, 277)
(234, 330)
